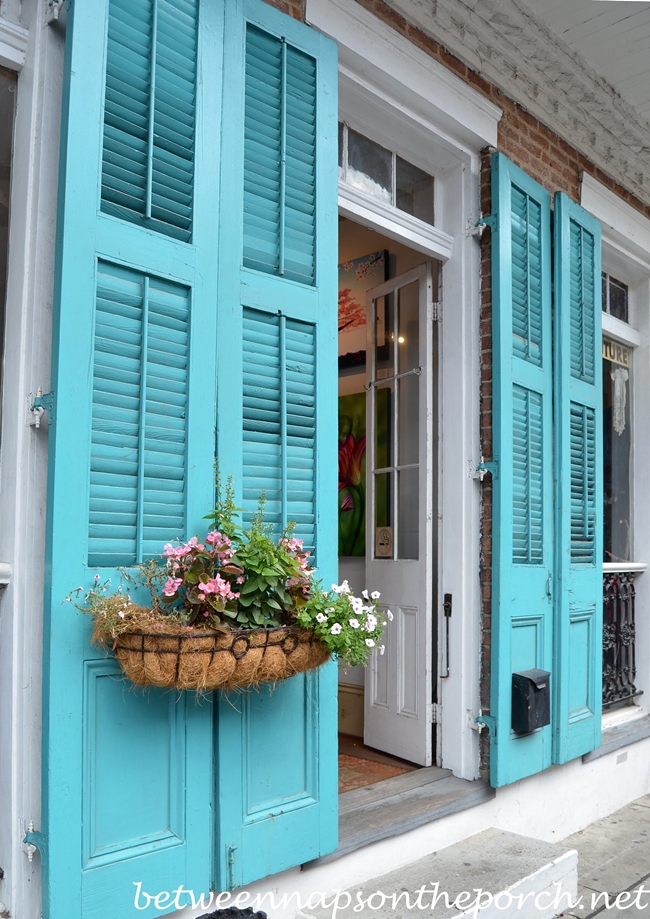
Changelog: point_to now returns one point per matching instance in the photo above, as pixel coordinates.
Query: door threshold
(400, 804)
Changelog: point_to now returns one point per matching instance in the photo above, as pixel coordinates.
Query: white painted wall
(23, 453)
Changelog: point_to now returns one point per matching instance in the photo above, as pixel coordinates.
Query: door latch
(35, 841)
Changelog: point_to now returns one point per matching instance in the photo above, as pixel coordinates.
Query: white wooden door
(400, 512)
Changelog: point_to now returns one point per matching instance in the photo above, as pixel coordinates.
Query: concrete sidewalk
(614, 858)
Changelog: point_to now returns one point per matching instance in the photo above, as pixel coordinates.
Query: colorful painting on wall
(352, 474)
(356, 277)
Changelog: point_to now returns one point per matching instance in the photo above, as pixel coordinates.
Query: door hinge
(44, 402)
(435, 713)
(480, 225)
(35, 841)
(488, 721)
(52, 10)
(485, 466)
(436, 310)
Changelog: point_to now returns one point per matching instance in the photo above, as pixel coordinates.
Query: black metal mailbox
(531, 700)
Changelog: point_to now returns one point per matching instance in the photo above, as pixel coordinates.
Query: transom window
(383, 174)
(615, 298)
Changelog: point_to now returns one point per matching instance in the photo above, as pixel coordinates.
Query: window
(615, 298)
(617, 450)
(7, 97)
(383, 174)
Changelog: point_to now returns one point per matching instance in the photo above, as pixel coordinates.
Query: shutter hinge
(35, 840)
(480, 225)
(485, 466)
(44, 402)
(488, 721)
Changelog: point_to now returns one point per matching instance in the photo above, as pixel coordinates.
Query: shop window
(617, 450)
(384, 175)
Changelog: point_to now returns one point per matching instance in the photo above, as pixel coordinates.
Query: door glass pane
(408, 514)
(408, 327)
(384, 336)
(370, 166)
(413, 190)
(617, 453)
(341, 145)
(408, 416)
(384, 426)
(384, 515)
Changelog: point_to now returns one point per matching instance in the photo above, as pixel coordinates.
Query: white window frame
(626, 256)
(400, 97)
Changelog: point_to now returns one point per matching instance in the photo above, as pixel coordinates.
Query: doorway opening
(388, 368)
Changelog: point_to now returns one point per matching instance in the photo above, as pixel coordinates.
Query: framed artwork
(352, 474)
(356, 277)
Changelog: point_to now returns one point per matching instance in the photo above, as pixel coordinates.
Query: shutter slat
(127, 127)
(117, 396)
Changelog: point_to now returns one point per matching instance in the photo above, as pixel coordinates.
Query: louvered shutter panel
(522, 527)
(128, 775)
(579, 477)
(277, 419)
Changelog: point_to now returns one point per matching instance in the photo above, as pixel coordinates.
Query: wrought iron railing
(619, 634)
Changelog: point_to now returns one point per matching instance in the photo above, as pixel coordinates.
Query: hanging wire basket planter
(208, 660)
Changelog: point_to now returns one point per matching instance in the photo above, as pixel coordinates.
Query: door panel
(399, 561)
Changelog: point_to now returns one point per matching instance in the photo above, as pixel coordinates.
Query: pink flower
(240, 579)
(217, 586)
(336, 628)
(171, 586)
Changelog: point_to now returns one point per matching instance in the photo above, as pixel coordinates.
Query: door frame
(392, 91)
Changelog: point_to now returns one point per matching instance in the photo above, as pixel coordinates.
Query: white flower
(321, 617)
(382, 648)
(345, 588)
(389, 615)
(364, 594)
(121, 615)
(330, 609)
(336, 628)
(357, 605)
(375, 595)
(354, 623)
(371, 623)
(370, 642)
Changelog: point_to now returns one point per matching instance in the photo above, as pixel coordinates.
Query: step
(489, 876)
(400, 804)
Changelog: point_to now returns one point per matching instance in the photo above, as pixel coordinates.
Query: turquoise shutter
(277, 748)
(522, 613)
(127, 775)
(579, 476)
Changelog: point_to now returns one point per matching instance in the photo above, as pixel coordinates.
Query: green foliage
(234, 579)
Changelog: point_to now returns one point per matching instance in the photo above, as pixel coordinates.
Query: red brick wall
(556, 166)
(295, 8)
